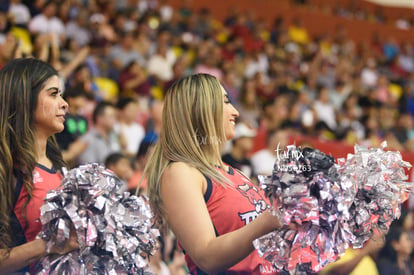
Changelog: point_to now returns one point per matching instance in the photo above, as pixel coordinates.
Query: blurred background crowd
(117, 59)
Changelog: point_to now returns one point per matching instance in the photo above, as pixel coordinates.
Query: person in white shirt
(77, 29)
(20, 12)
(263, 160)
(161, 63)
(324, 108)
(127, 126)
(47, 22)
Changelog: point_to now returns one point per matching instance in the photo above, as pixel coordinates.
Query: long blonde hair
(192, 132)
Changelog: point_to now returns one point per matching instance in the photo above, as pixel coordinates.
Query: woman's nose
(65, 105)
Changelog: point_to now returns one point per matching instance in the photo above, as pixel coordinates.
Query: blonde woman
(214, 211)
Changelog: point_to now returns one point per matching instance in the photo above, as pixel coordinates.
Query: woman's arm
(54, 50)
(182, 191)
(74, 150)
(28, 253)
(371, 247)
(43, 44)
(68, 68)
(21, 256)
(134, 82)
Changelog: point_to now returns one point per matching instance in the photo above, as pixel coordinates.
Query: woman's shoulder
(181, 169)
(182, 176)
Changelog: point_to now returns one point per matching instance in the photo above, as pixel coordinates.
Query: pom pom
(305, 189)
(382, 188)
(114, 230)
(333, 204)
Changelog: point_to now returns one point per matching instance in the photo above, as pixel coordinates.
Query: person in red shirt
(32, 111)
(214, 211)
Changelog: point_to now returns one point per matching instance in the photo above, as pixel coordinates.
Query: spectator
(257, 62)
(242, 145)
(20, 12)
(49, 51)
(82, 77)
(349, 118)
(76, 126)
(123, 54)
(404, 131)
(161, 265)
(134, 81)
(157, 264)
(138, 183)
(127, 126)
(120, 165)
(394, 256)
(391, 49)
(373, 136)
(210, 63)
(326, 75)
(382, 91)
(339, 94)
(406, 57)
(102, 34)
(47, 22)
(78, 30)
(180, 68)
(160, 65)
(102, 140)
(166, 11)
(357, 261)
(325, 110)
(248, 103)
(230, 83)
(153, 126)
(369, 74)
(264, 160)
(297, 32)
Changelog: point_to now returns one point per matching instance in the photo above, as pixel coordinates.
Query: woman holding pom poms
(214, 211)
(32, 111)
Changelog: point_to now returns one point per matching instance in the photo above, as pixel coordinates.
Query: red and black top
(231, 208)
(26, 225)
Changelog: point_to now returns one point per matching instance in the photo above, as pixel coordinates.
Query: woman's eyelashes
(55, 92)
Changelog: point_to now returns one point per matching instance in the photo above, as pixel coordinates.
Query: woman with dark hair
(134, 80)
(32, 111)
(394, 256)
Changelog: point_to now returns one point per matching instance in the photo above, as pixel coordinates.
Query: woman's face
(130, 111)
(408, 223)
(404, 245)
(49, 116)
(122, 169)
(229, 116)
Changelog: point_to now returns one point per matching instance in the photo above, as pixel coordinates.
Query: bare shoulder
(182, 171)
(181, 181)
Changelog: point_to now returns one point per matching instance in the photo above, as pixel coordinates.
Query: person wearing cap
(242, 144)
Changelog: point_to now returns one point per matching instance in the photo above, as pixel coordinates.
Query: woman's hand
(374, 244)
(70, 244)
(271, 220)
(274, 223)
